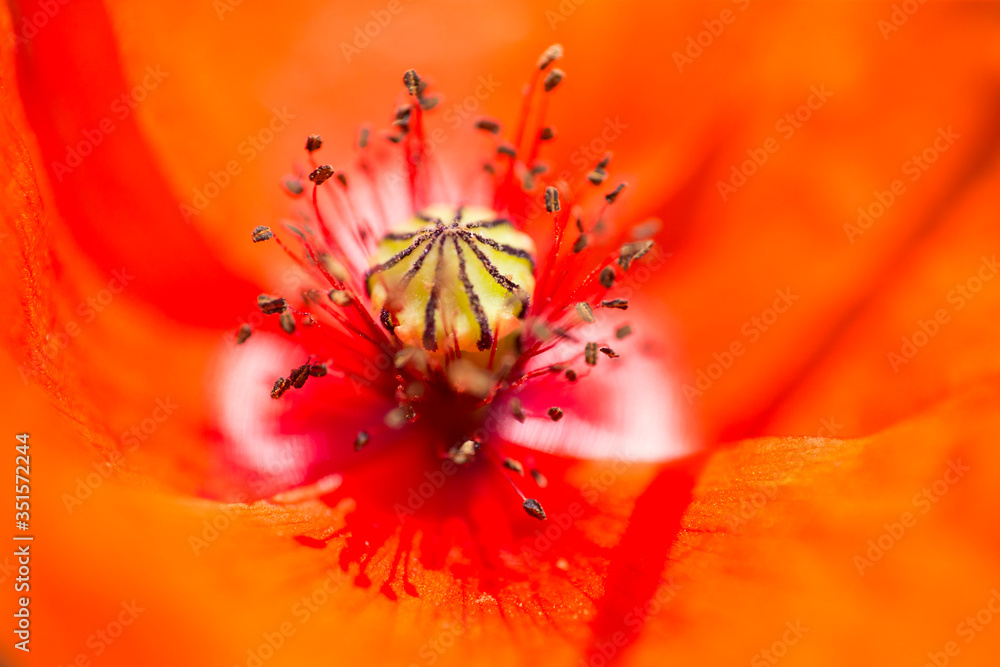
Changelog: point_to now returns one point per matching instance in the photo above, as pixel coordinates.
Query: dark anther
(294, 186)
(314, 142)
(551, 199)
(243, 334)
(342, 178)
(403, 116)
(539, 478)
(412, 81)
(488, 125)
(553, 79)
(590, 354)
(516, 466)
(262, 233)
(363, 138)
(287, 322)
(534, 508)
(547, 134)
(581, 242)
(607, 277)
(551, 54)
(613, 195)
(516, 410)
(585, 312)
(632, 251)
(321, 173)
(555, 414)
(611, 353)
(271, 305)
(624, 331)
(571, 375)
(361, 440)
(597, 176)
(317, 370)
(507, 149)
(428, 103)
(619, 304)
(299, 375)
(281, 385)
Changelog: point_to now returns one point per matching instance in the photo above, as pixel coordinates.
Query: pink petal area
(625, 408)
(250, 420)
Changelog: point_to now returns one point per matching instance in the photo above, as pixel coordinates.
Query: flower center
(453, 278)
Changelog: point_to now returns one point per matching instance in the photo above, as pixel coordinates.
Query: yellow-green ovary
(421, 261)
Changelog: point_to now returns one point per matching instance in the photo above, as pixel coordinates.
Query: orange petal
(106, 182)
(877, 546)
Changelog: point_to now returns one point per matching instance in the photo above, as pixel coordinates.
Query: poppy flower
(788, 460)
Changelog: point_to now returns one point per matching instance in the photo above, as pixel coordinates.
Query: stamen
(243, 334)
(412, 81)
(631, 252)
(590, 354)
(313, 143)
(550, 55)
(488, 125)
(611, 353)
(623, 331)
(262, 233)
(516, 410)
(534, 508)
(607, 277)
(340, 297)
(281, 385)
(361, 440)
(511, 464)
(551, 199)
(321, 173)
(613, 195)
(555, 413)
(287, 322)
(553, 79)
(271, 305)
(585, 312)
(618, 304)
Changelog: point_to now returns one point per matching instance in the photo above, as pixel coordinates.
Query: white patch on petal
(627, 408)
